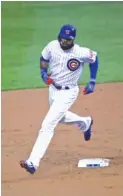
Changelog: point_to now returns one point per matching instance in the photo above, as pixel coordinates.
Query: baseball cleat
(87, 134)
(29, 168)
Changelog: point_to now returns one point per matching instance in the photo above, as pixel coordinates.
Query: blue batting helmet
(67, 32)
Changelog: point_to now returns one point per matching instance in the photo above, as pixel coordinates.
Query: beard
(66, 47)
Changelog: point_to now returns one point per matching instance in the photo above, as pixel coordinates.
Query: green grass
(28, 26)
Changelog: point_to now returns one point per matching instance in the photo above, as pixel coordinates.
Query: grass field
(28, 26)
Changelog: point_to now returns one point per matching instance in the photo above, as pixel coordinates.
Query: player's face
(66, 43)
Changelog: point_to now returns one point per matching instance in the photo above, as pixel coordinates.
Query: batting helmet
(66, 36)
(67, 32)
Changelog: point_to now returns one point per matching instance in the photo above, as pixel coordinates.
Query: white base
(93, 162)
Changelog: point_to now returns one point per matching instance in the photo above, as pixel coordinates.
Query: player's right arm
(44, 63)
(89, 56)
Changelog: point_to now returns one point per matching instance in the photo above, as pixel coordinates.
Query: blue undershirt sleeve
(93, 69)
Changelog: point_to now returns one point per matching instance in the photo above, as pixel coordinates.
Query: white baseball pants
(60, 102)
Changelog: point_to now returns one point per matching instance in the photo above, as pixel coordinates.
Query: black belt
(60, 87)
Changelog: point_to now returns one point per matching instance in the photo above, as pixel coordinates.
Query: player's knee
(47, 126)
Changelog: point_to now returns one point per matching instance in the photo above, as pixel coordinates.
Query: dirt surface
(58, 175)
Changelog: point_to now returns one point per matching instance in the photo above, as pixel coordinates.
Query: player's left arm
(91, 57)
(44, 64)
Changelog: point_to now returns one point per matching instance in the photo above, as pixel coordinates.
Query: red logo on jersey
(73, 64)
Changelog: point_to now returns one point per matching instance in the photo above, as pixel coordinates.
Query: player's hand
(89, 88)
(47, 79)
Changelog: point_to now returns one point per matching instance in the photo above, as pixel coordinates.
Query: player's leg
(63, 101)
(83, 123)
(72, 118)
(80, 122)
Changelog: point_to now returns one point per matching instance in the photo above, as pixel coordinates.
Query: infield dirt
(22, 114)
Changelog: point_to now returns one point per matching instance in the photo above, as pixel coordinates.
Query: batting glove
(89, 88)
(45, 76)
(47, 80)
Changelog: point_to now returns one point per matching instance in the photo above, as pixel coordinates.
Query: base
(93, 162)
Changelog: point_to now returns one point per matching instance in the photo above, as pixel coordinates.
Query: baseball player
(66, 62)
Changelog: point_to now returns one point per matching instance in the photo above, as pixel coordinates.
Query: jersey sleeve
(46, 53)
(87, 55)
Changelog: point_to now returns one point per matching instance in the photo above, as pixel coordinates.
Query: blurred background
(27, 27)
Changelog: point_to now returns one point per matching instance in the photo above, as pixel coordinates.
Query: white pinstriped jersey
(67, 65)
